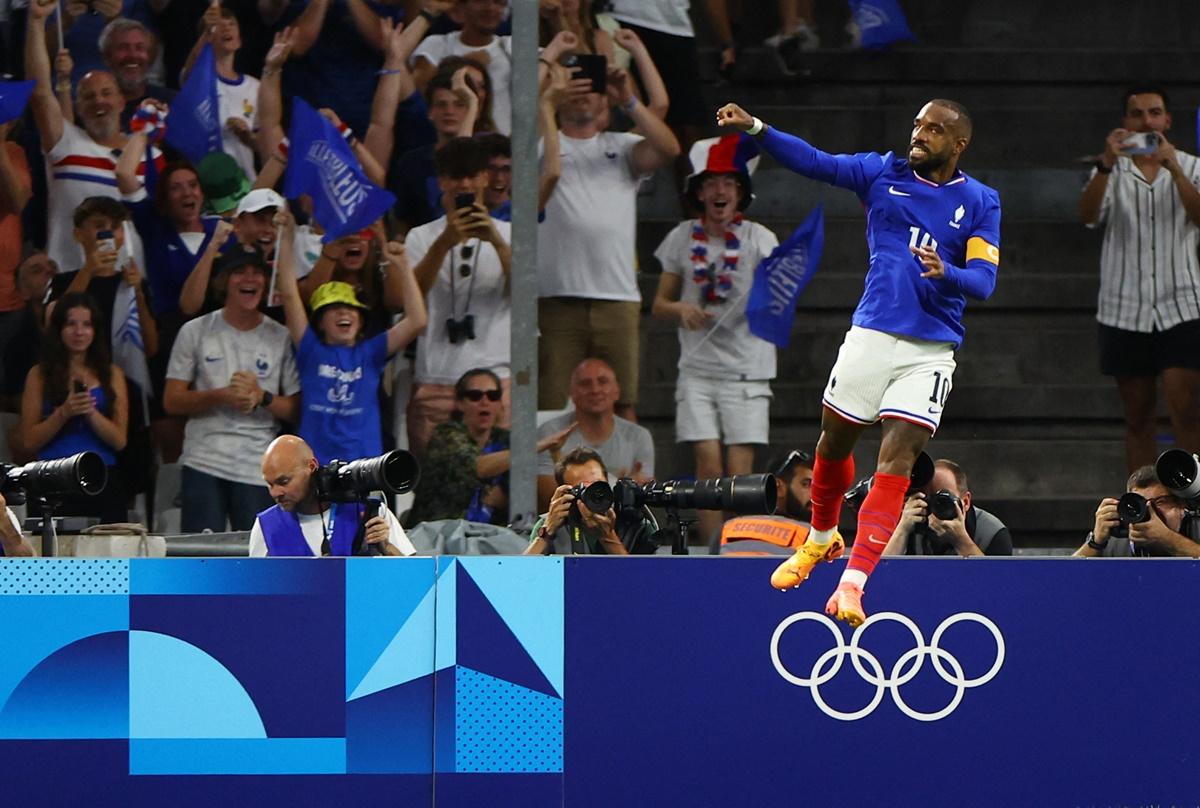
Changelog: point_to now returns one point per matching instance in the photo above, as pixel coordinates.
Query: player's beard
(929, 164)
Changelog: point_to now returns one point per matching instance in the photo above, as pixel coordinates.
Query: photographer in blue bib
(310, 519)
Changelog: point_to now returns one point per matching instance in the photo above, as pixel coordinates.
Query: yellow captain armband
(978, 248)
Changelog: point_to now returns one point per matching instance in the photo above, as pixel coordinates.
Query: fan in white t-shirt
(462, 262)
(237, 93)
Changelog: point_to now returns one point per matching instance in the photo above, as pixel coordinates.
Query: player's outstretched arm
(854, 172)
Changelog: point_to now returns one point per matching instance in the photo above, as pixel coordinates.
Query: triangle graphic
(527, 593)
(408, 656)
(487, 644)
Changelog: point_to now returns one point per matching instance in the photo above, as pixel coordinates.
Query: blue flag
(14, 95)
(321, 164)
(881, 22)
(780, 279)
(194, 121)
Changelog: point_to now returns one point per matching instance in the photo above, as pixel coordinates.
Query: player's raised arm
(854, 172)
(976, 278)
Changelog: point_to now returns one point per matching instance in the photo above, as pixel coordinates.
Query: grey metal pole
(522, 486)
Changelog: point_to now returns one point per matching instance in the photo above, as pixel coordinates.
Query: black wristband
(1091, 541)
(1101, 168)
(430, 17)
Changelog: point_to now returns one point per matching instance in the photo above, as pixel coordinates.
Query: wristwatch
(267, 398)
(1101, 168)
(1095, 545)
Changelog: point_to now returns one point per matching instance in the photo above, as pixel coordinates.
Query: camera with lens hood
(394, 472)
(460, 330)
(83, 473)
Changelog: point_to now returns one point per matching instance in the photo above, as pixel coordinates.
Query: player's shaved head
(961, 122)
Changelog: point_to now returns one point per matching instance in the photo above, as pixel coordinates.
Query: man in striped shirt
(80, 160)
(1145, 193)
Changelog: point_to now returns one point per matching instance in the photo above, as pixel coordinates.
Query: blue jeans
(208, 501)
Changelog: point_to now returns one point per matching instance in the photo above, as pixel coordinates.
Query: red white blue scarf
(715, 283)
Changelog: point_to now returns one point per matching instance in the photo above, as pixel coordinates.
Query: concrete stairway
(1030, 418)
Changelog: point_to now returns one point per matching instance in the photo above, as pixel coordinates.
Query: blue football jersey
(959, 218)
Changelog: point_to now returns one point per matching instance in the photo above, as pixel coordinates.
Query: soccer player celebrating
(934, 236)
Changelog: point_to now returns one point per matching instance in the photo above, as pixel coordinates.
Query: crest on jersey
(958, 214)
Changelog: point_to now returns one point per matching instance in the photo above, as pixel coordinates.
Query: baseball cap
(259, 199)
(239, 257)
(327, 294)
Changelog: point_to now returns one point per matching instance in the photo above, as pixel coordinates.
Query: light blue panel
(177, 690)
(408, 656)
(527, 593)
(237, 756)
(505, 728)
(380, 599)
(446, 652)
(35, 626)
(235, 576)
(64, 576)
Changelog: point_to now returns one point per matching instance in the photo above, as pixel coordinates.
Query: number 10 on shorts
(941, 389)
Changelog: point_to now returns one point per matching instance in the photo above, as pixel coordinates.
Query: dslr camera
(1132, 509)
(83, 473)
(920, 476)
(461, 329)
(394, 472)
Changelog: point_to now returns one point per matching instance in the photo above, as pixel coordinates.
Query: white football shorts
(880, 375)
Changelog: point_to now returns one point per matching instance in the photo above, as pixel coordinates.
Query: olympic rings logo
(905, 670)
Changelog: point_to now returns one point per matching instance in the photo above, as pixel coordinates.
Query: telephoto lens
(394, 472)
(1179, 471)
(741, 494)
(83, 473)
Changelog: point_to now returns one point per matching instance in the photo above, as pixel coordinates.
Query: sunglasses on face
(477, 395)
(796, 456)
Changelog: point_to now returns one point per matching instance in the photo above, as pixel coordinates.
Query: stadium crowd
(156, 309)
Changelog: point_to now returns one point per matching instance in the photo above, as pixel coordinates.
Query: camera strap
(454, 274)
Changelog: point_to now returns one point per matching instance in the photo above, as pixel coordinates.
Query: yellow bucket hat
(327, 294)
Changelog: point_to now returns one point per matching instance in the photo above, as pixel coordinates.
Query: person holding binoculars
(462, 263)
(1147, 521)
(941, 519)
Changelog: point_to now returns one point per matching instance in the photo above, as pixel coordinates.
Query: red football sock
(831, 479)
(877, 519)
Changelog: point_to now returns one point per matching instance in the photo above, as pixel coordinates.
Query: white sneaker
(806, 38)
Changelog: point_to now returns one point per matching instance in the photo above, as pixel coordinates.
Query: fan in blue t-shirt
(340, 372)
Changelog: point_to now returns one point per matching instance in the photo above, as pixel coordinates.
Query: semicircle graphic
(79, 691)
(177, 690)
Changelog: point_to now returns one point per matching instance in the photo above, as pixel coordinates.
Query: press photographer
(940, 519)
(1151, 519)
(571, 527)
(322, 511)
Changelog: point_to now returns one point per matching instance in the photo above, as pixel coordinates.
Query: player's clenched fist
(731, 115)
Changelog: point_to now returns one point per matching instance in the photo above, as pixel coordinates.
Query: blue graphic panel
(391, 731)
(380, 599)
(176, 690)
(237, 756)
(693, 678)
(35, 626)
(527, 593)
(446, 628)
(444, 717)
(408, 656)
(64, 576)
(286, 650)
(486, 644)
(502, 727)
(236, 576)
(79, 691)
